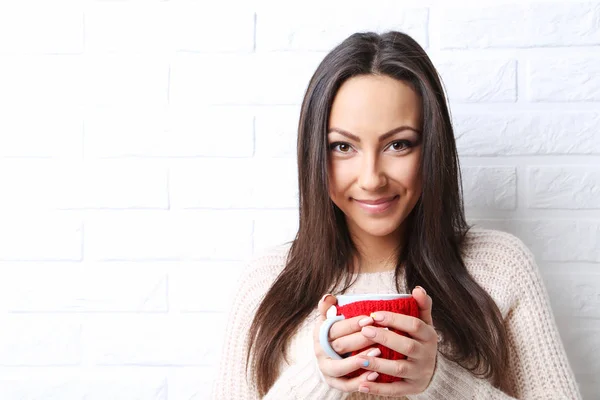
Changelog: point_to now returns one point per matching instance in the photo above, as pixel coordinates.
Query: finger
(400, 368)
(349, 326)
(352, 342)
(425, 303)
(390, 339)
(415, 327)
(349, 385)
(325, 304)
(337, 368)
(394, 389)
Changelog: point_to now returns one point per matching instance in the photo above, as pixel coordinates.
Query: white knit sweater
(498, 261)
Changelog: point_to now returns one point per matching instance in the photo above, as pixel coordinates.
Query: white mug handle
(324, 336)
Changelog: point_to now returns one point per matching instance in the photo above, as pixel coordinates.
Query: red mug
(353, 305)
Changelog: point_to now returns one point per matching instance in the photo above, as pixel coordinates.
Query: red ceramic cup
(353, 305)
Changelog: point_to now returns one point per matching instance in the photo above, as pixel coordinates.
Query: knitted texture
(538, 367)
(406, 306)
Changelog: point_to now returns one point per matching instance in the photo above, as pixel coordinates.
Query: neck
(376, 254)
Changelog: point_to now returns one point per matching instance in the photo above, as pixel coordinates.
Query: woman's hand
(345, 336)
(421, 350)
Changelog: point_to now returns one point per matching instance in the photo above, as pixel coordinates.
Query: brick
(33, 82)
(301, 28)
(125, 79)
(102, 287)
(194, 185)
(544, 24)
(157, 340)
(160, 132)
(496, 79)
(277, 131)
(211, 132)
(165, 27)
(259, 183)
(56, 133)
(40, 340)
(552, 240)
(561, 79)
(128, 27)
(47, 185)
(212, 28)
(564, 23)
(574, 294)
(126, 131)
(566, 187)
(193, 287)
(493, 188)
(526, 133)
(581, 339)
(40, 236)
(118, 185)
(120, 385)
(70, 81)
(192, 383)
(45, 28)
(167, 236)
(36, 81)
(95, 384)
(268, 78)
(588, 384)
(38, 185)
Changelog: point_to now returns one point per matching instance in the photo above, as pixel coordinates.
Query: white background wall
(147, 149)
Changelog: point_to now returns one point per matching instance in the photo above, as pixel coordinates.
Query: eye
(341, 147)
(400, 145)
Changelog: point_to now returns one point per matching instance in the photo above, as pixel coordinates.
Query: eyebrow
(381, 138)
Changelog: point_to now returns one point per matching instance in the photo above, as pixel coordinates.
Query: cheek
(340, 176)
(411, 176)
(410, 173)
(404, 172)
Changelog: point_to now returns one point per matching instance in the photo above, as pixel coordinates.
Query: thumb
(325, 304)
(425, 303)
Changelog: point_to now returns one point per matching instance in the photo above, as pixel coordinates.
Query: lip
(378, 201)
(377, 206)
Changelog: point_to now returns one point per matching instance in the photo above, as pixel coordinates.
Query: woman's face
(375, 152)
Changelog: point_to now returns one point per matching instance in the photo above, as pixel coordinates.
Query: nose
(371, 176)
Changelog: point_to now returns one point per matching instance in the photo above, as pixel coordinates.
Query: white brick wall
(140, 143)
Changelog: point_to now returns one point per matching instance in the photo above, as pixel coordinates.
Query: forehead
(374, 102)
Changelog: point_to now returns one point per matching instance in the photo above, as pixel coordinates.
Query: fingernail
(363, 362)
(325, 296)
(377, 317)
(363, 389)
(369, 331)
(365, 321)
(419, 287)
(374, 353)
(372, 376)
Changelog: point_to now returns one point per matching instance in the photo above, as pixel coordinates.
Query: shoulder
(500, 262)
(481, 243)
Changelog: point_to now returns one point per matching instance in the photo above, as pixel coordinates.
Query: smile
(379, 205)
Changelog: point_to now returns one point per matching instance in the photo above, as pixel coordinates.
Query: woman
(381, 212)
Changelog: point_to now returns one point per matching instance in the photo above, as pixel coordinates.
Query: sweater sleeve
(538, 366)
(297, 381)
(302, 381)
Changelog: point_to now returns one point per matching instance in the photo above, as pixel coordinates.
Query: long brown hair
(320, 256)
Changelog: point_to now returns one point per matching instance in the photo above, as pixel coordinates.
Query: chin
(378, 229)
